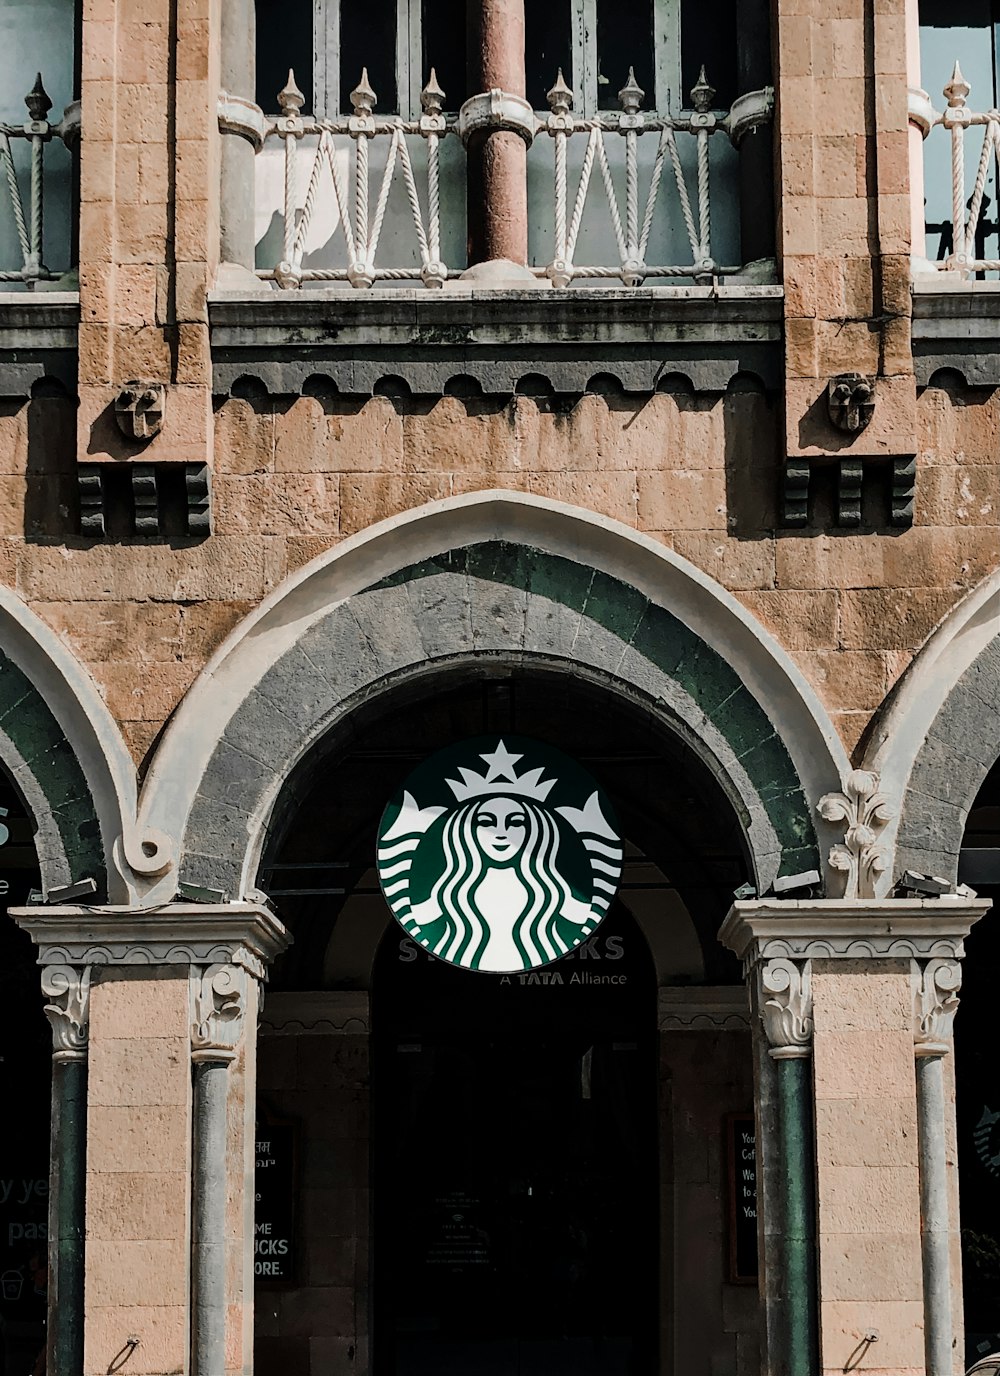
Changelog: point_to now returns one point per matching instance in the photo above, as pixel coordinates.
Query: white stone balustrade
(341, 173)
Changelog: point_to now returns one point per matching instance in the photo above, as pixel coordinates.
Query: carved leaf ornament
(865, 812)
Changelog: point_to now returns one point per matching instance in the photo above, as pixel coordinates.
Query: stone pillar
(497, 127)
(67, 990)
(753, 73)
(163, 1239)
(149, 225)
(844, 972)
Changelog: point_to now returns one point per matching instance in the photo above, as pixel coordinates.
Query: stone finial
(786, 1007)
(67, 989)
(291, 99)
(218, 1002)
(957, 90)
(559, 96)
(935, 998)
(631, 94)
(363, 98)
(866, 812)
(432, 96)
(38, 102)
(702, 94)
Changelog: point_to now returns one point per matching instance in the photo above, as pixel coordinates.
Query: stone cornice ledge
(956, 328)
(703, 1008)
(352, 341)
(38, 339)
(849, 929)
(316, 1013)
(245, 934)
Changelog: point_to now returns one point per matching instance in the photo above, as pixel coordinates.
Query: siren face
(503, 868)
(501, 828)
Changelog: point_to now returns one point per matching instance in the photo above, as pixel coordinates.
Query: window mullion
(326, 58)
(667, 57)
(585, 56)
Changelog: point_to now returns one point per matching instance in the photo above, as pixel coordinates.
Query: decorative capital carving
(67, 989)
(935, 1001)
(139, 408)
(866, 812)
(850, 400)
(218, 1003)
(786, 1007)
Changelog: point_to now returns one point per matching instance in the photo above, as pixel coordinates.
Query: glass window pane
(708, 39)
(624, 40)
(368, 40)
(284, 40)
(548, 46)
(444, 32)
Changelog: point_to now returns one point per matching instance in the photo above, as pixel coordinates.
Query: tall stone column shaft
(238, 150)
(67, 991)
(497, 152)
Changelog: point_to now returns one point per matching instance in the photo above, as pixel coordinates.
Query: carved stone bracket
(218, 1005)
(935, 1001)
(866, 812)
(67, 991)
(785, 996)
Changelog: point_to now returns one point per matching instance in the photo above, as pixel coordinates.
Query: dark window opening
(548, 49)
(624, 41)
(369, 45)
(708, 39)
(284, 41)
(443, 32)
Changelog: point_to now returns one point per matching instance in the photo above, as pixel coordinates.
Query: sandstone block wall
(292, 477)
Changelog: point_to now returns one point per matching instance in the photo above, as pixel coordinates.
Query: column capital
(784, 998)
(871, 929)
(936, 983)
(67, 992)
(246, 935)
(218, 1005)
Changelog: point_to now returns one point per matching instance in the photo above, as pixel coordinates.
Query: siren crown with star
(501, 778)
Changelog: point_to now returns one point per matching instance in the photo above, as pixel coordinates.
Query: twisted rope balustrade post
(290, 102)
(29, 222)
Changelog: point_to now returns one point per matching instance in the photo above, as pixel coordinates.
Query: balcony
(619, 199)
(962, 154)
(36, 182)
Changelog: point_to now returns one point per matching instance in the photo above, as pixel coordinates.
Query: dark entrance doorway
(515, 1184)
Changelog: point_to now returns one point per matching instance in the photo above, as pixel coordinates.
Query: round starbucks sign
(499, 854)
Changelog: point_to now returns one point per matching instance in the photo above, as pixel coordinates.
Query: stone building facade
(522, 383)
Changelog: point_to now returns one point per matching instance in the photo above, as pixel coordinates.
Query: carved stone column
(783, 1000)
(219, 996)
(497, 126)
(67, 992)
(845, 973)
(936, 983)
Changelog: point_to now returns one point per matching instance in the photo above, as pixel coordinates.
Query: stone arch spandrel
(504, 578)
(64, 753)
(939, 735)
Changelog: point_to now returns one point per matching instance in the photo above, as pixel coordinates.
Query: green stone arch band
(511, 603)
(44, 768)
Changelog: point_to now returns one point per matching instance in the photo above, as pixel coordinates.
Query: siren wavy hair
(466, 930)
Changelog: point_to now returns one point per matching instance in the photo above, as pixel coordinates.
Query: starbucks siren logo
(499, 868)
